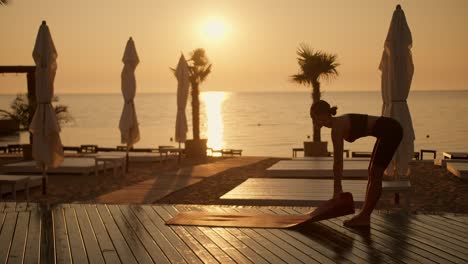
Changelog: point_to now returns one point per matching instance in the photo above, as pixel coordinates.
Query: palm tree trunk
(195, 111)
(316, 98)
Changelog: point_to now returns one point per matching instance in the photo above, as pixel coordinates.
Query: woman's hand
(337, 189)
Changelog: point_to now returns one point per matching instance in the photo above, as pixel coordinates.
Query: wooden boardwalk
(102, 233)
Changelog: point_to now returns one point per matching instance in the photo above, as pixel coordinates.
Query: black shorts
(389, 134)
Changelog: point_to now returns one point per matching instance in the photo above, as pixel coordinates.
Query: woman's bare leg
(374, 190)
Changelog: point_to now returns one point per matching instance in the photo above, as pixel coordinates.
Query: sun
(214, 29)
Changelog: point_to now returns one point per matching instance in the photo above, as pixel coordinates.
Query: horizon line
(227, 91)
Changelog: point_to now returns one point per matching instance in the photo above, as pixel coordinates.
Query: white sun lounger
(13, 183)
(69, 166)
(132, 156)
(444, 162)
(316, 169)
(458, 169)
(455, 155)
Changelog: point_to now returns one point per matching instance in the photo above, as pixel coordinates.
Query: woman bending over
(350, 127)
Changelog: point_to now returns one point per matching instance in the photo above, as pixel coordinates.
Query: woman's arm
(337, 138)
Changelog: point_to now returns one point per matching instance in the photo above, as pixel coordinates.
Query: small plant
(20, 111)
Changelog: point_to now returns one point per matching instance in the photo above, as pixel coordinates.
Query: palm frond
(314, 65)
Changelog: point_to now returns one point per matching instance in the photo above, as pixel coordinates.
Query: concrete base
(315, 149)
(195, 149)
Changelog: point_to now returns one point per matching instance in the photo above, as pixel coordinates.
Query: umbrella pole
(179, 153)
(44, 179)
(126, 160)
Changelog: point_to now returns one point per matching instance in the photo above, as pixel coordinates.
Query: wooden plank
(62, 245)
(77, 249)
(151, 246)
(144, 222)
(9, 207)
(121, 246)
(455, 225)
(344, 238)
(132, 239)
(372, 242)
(251, 243)
(31, 207)
(443, 225)
(450, 248)
(6, 234)
(170, 235)
(319, 250)
(294, 248)
(19, 239)
(239, 244)
(457, 218)
(21, 206)
(87, 233)
(278, 251)
(400, 233)
(33, 242)
(193, 244)
(2, 206)
(107, 248)
(433, 231)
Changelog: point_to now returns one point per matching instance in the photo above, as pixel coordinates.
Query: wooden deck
(137, 234)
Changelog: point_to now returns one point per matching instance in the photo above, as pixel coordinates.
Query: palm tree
(199, 68)
(20, 111)
(314, 67)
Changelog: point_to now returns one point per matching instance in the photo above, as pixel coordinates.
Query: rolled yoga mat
(336, 207)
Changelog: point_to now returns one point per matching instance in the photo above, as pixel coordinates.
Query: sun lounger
(132, 156)
(69, 166)
(458, 169)
(319, 168)
(14, 183)
(455, 155)
(443, 162)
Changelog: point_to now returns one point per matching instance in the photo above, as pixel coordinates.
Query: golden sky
(251, 43)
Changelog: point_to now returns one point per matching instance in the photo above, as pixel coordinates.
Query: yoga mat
(336, 207)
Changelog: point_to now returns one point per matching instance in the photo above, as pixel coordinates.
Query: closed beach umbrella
(397, 72)
(128, 125)
(47, 146)
(182, 75)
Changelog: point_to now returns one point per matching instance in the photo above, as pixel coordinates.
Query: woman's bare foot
(357, 221)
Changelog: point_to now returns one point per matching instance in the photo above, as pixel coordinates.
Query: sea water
(262, 124)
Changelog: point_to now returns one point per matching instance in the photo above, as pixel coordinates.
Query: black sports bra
(358, 127)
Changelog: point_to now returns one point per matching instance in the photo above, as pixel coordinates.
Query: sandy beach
(434, 188)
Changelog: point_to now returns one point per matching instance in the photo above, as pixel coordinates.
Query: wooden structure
(314, 191)
(90, 233)
(320, 168)
(31, 82)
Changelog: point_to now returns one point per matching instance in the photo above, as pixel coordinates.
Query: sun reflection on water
(214, 129)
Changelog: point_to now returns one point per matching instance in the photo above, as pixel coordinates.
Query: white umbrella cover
(47, 146)
(397, 73)
(182, 75)
(128, 125)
